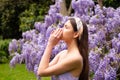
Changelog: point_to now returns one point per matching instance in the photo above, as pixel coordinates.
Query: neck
(72, 45)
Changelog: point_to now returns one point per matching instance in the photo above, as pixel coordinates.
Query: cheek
(67, 34)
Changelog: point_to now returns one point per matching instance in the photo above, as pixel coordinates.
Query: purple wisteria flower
(110, 74)
(94, 60)
(119, 36)
(86, 3)
(35, 69)
(59, 16)
(30, 35)
(15, 60)
(93, 41)
(101, 37)
(97, 19)
(13, 46)
(49, 20)
(20, 43)
(61, 24)
(85, 18)
(116, 44)
(49, 30)
(98, 10)
(108, 67)
(37, 25)
(110, 12)
(63, 45)
(112, 24)
(92, 29)
(82, 7)
(27, 35)
(41, 40)
(75, 5)
(118, 10)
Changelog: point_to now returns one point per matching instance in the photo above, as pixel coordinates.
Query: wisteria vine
(104, 39)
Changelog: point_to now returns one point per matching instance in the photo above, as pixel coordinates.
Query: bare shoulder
(76, 59)
(71, 59)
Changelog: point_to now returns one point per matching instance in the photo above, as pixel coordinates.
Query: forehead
(68, 23)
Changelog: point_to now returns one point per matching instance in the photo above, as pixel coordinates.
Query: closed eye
(66, 26)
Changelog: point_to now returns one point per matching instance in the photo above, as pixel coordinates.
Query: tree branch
(70, 9)
(63, 9)
(100, 2)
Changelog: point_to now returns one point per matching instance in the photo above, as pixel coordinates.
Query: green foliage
(28, 17)
(4, 54)
(9, 18)
(11, 13)
(112, 3)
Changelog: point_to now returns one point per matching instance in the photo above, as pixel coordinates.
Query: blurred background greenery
(17, 17)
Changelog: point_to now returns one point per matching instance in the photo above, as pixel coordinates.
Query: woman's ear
(76, 34)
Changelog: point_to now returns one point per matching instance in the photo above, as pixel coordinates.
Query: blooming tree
(104, 38)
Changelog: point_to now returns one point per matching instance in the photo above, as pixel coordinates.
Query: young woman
(70, 64)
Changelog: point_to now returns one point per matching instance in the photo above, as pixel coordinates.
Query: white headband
(79, 25)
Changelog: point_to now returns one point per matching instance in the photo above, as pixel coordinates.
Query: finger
(56, 31)
(59, 33)
(52, 31)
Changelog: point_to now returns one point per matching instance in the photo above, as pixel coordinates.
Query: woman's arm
(55, 60)
(44, 63)
(63, 66)
(53, 40)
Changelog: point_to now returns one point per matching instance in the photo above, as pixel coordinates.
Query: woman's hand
(55, 36)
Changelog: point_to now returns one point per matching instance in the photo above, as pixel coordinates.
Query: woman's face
(68, 31)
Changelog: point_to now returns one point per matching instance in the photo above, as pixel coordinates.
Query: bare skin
(68, 60)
